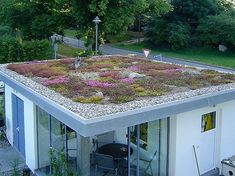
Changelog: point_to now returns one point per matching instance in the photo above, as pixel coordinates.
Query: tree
(4, 9)
(116, 15)
(179, 27)
(38, 19)
(179, 35)
(217, 29)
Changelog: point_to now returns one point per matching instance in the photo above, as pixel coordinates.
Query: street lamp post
(54, 38)
(96, 21)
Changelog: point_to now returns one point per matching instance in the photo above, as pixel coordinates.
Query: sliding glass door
(150, 141)
(43, 138)
(55, 140)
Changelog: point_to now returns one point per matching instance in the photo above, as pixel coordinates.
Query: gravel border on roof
(88, 111)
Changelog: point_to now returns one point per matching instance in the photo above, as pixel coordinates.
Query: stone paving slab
(8, 155)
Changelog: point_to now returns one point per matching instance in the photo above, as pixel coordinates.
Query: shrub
(11, 50)
(36, 50)
(179, 36)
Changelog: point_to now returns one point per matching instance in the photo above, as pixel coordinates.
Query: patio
(10, 159)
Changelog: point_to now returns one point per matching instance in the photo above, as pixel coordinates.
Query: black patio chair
(105, 163)
(2, 124)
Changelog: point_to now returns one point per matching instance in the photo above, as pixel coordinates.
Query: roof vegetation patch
(117, 79)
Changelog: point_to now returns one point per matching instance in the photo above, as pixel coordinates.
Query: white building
(164, 132)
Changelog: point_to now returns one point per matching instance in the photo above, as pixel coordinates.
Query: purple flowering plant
(95, 83)
(134, 68)
(128, 80)
(56, 80)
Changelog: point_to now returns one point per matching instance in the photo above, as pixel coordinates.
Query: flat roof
(90, 119)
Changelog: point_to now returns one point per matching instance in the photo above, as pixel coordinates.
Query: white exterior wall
(29, 125)
(185, 131)
(227, 147)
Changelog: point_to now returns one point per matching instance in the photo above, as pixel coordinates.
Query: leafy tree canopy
(221, 30)
(190, 22)
(116, 15)
(38, 19)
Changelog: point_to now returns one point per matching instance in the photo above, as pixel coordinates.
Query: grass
(125, 36)
(68, 51)
(70, 33)
(210, 57)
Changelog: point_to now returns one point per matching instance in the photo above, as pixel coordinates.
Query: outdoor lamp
(96, 21)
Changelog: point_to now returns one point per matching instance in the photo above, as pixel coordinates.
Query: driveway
(112, 50)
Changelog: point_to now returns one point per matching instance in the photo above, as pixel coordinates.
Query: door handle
(18, 129)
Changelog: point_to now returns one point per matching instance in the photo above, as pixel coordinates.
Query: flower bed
(117, 79)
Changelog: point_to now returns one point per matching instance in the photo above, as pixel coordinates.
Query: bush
(36, 49)
(11, 50)
(179, 36)
(175, 35)
(156, 31)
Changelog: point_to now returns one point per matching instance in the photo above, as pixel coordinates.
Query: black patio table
(116, 150)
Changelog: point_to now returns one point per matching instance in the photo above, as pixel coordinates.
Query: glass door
(150, 141)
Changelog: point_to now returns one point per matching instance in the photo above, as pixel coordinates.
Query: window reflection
(53, 141)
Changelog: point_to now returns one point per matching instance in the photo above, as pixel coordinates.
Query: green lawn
(70, 33)
(195, 54)
(68, 51)
(125, 36)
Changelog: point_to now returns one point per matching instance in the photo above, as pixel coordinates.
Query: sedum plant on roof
(117, 79)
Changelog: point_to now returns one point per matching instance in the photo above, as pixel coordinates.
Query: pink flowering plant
(102, 85)
(134, 68)
(127, 80)
(56, 80)
(118, 78)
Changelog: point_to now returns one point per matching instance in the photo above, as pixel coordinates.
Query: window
(208, 121)
(143, 135)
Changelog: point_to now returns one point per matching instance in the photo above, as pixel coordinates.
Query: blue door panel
(20, 111)
(18, 124)
(15, 122)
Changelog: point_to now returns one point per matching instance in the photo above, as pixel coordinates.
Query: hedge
(11, 50)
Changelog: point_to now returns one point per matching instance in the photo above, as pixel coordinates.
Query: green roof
(117, 79)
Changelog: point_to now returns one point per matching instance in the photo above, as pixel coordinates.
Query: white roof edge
(89, 127)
